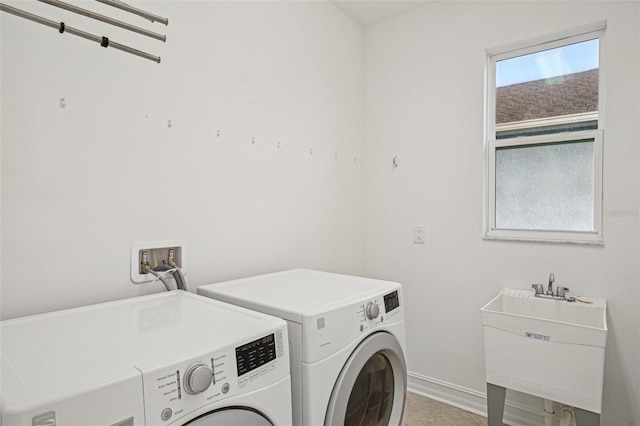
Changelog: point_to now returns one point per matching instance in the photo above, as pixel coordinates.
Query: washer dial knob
(197, 378)
(372, 311)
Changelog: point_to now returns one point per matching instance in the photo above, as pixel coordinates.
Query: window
(544, 139)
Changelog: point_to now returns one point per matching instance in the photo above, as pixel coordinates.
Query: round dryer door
(372, 386)
(231, 417)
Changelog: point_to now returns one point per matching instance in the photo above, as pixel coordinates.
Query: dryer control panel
(333, 330)
(175, 389)
(391, 301)
(377, 310)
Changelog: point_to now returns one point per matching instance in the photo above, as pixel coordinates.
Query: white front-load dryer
(168, 359)
(347, 341)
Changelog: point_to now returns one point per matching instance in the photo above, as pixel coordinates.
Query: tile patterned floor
(423, 411)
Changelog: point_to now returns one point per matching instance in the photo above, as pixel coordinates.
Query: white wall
(424, 103)
(81, 184)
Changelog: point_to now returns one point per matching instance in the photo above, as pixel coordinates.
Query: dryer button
(166, 414)
(372, 311)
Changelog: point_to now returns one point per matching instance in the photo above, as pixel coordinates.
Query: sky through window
(548, 63)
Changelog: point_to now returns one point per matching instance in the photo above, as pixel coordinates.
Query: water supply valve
(156, 254)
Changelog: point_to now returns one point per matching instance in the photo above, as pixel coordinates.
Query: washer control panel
(254, 355)
(172, 391)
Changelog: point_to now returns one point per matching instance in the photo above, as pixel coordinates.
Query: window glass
(545, 187)
(549, 91)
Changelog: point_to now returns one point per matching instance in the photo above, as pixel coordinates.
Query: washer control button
(225, 388)
(197, 378)
(166, 414)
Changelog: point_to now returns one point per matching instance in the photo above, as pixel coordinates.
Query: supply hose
(177, 274)
(148, 269)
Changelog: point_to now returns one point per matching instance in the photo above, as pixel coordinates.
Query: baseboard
(471, 400)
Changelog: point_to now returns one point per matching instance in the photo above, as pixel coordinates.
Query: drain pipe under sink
(549, 412)
(566, 414)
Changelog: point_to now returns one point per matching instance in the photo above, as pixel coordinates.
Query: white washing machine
(347, 341)
(168, 359)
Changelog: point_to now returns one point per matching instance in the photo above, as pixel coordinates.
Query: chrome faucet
(538, 288)
(560, 291)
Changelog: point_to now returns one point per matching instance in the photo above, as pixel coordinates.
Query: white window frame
(551, 41)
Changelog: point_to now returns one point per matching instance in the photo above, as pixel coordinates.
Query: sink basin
(550, 348)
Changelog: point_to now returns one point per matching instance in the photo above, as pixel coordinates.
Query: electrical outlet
(419, 234)
(155, 254)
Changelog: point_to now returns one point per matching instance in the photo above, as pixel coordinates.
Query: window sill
(587, 238)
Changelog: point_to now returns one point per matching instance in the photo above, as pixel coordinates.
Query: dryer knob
(197, 378)
(372, 310)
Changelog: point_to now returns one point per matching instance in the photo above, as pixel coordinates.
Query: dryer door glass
(371, 388)
(231, 417)
(371, 398)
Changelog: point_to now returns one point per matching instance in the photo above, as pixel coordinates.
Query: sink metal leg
(586, 418)
(495, 404)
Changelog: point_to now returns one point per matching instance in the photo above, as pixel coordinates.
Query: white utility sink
(550, 348)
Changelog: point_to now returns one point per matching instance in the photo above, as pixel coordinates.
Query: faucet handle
(560, 291)
(538, 288)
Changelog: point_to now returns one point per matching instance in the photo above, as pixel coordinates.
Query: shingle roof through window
(565, 95)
